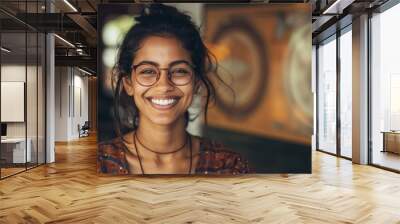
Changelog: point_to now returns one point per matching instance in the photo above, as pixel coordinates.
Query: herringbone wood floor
(70, 191)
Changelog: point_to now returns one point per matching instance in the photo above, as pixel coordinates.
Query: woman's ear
(128, 85)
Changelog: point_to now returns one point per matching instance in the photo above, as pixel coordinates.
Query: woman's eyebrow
(170, 64)
(178, 62)
(148, 62)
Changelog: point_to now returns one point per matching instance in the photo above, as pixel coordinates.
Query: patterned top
(214, 158)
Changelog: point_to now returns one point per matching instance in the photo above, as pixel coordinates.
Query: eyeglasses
(147, 74)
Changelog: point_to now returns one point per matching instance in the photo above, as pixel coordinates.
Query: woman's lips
(163, 103)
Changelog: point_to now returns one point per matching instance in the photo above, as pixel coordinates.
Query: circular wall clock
(242, 59)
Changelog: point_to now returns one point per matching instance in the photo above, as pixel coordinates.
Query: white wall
(70, 83)
(33, 127)
(80, 93)
(12, 73)
(16, 73)
(61, 103)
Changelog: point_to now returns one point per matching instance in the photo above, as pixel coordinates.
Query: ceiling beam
(86, 26)
(82, 61)
(337, 7)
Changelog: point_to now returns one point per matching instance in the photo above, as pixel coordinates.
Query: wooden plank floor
(70, 191)
(10, 171)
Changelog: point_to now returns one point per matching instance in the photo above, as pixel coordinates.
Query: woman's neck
(162, 138)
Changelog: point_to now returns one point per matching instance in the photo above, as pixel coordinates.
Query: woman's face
(162, 103)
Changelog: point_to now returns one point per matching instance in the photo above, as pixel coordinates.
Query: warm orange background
(275, 115)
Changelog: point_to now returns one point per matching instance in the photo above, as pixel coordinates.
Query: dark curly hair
(166, 21)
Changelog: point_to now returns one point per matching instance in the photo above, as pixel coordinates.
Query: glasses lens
(146, 74)
(181, 74)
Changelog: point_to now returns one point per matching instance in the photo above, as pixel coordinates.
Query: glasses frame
(169, 73)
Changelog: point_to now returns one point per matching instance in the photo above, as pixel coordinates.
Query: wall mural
(262, 119)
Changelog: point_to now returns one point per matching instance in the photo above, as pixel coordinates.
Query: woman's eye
(148, 72)
(180, 72)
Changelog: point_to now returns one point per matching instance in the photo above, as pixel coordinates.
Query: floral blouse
(214, 158)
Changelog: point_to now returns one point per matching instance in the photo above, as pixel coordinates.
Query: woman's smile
(163, 102)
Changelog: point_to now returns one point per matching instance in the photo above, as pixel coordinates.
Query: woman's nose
(164, 80)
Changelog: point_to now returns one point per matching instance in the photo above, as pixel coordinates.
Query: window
(346, 92)
(385, 88)
(327, 95)
(22, 69)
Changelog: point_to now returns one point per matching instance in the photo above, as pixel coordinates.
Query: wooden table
(391, 141)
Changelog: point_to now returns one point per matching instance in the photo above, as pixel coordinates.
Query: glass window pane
(385, 89)
(23, 87)
(41, 98)
(327, 96)
(31, 97)
(346, 94)
(14, 153)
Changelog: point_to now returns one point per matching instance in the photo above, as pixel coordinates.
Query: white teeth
(163, 102)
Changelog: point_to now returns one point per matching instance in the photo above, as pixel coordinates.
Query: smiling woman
(162, 64)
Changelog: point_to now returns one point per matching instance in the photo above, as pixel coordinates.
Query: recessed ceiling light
(64, 40)
(5, 50)
(84, 71)
(337, 7)
(70, 5)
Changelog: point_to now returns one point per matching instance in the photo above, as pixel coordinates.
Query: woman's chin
(164, 120)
